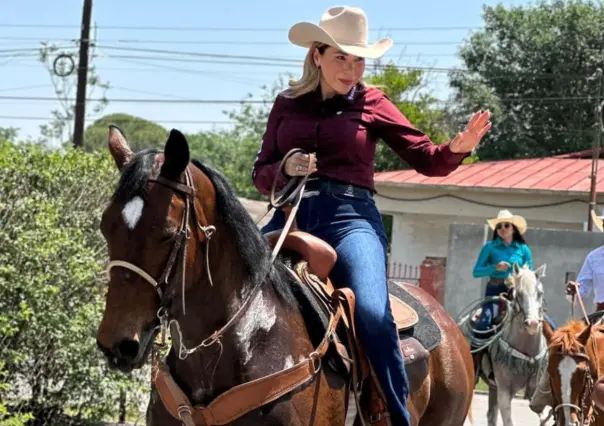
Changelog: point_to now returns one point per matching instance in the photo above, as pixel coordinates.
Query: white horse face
(527, 295)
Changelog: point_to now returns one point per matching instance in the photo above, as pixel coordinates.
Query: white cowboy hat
(343, 27)
(505, 216)
(598, 221)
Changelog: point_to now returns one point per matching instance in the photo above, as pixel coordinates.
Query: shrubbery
(52, 286)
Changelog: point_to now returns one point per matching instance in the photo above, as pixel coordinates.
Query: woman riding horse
(497, 257)
(338, 119)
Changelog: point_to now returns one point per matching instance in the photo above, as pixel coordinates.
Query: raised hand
(467, 140)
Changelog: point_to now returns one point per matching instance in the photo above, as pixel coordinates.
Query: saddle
(313, 260)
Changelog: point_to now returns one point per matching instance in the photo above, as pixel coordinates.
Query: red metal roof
(539, 174)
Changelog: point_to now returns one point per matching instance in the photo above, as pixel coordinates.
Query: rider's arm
(483, 268)
(266, 165)
(411, 144)
(585, 278)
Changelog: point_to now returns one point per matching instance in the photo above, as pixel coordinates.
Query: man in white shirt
(591, 277)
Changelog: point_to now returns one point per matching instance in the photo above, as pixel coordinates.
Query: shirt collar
(500, 242)
(350, 96)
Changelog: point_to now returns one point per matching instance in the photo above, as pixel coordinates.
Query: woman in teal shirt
(497, 257)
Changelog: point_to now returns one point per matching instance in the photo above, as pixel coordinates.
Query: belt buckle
(349, 191)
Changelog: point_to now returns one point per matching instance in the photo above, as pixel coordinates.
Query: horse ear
(118, 147)
(176, 155)
(509, 281)
(540, 271)
(584, 335)
(516, 268)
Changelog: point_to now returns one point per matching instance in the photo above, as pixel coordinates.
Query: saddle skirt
(311, 261)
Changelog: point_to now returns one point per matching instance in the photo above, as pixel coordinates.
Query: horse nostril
(127, 349)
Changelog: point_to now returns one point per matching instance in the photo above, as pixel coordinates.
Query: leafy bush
(52, 261)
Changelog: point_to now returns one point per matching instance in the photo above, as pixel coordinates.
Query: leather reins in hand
(291, 193)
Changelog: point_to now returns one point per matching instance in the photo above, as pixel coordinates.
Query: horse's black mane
(252, 246)
(253, 249)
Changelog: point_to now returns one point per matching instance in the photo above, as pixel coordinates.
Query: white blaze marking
(133, 211)
(259, 316)
(567, 367)
(289, 362)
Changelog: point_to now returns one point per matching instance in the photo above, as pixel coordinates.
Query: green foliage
(421, 109)
(534, 68)
(140, 133)
(9, 134)
(52, 259)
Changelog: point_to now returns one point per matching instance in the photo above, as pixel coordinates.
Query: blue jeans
(491, 310)
(352, 225)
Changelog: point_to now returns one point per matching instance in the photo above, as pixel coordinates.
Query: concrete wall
(562, 250)
(417, 236)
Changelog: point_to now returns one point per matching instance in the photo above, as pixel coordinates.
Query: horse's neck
(519, 339)
(256, 345)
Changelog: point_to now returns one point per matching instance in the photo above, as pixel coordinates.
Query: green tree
(61, 64)
(535, 67)
(421, 109)
(52, 284)
(9, 134)
(140, 133)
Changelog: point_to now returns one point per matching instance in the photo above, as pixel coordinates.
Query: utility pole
(80, 107)
(593, 193)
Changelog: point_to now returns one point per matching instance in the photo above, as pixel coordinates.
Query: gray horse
(513, 361)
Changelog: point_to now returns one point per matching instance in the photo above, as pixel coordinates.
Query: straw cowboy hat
(343, 27)
(598, 221)
(505, 216)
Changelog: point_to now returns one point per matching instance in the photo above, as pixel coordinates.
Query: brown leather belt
(496, 281)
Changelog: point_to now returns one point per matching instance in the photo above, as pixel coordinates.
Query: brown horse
(573, 368)
(245, 349)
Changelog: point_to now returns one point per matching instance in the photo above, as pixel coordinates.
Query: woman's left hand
(467, 140)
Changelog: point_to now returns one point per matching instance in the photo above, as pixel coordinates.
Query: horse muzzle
(531, 326)
(129, 353)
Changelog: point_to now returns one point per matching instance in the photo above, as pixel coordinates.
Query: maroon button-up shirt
(343, 131)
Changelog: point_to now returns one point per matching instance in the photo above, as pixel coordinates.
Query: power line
(36, 118)
(199, 54)
(214, 42)
(225, 29)
(140, 100)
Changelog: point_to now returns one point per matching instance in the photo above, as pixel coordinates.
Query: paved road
(521, 413)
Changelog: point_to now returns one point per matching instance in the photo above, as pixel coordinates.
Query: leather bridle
(178, 251)
(292, 192)
(586, 409)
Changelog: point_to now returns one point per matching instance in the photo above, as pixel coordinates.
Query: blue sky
(423, 36)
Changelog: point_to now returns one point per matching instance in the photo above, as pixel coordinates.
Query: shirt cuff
(451, 157)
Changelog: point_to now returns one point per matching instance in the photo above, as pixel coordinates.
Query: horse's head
(154, 228)
(572, 368)
(526, 294)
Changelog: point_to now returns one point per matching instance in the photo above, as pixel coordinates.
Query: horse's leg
(493, 410)
(450, 395)
(504, 400)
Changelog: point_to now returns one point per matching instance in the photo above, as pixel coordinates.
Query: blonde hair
(311, 74)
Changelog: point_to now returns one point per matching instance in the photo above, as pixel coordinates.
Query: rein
(572, 306)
